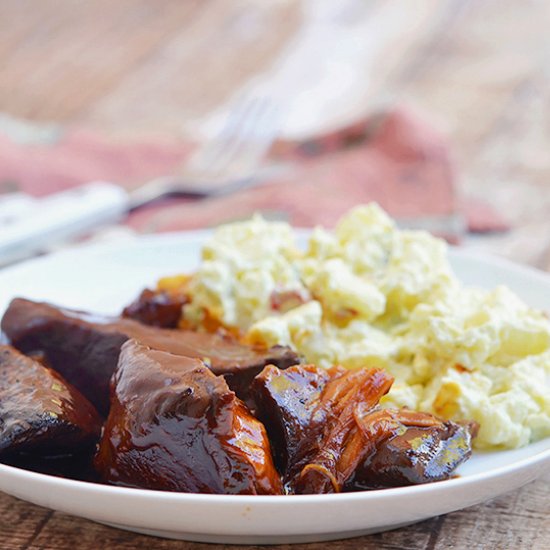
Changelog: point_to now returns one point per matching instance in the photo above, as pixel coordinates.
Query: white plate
(104, 278)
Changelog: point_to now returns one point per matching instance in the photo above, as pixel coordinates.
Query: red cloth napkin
(394, 158)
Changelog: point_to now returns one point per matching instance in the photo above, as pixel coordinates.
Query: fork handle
(59, 217)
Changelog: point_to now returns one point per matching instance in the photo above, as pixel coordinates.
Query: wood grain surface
(480, 69)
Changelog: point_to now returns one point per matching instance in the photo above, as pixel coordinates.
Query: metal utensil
(227, 163)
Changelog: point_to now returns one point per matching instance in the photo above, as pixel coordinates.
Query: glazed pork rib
(174, 425)
(84, 348)
(155, 308)
(40, 413)
(423, 449)
(329, 433)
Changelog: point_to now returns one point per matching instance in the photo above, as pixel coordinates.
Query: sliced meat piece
(423, 449)
(174, 425)
(286, 402)
(329, 434)
(84, 348)
(156, 308)
(40, 413)
(343, 444)
(309, 414)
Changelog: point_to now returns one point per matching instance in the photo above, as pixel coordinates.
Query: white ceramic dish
(104, 278)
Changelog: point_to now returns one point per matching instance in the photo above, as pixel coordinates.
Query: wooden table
(480, 69)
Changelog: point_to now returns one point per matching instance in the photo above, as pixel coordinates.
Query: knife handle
(59, 217)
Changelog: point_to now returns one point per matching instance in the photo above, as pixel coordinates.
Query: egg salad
(369, 294)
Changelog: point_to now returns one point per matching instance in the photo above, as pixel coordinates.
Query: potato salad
(370, 294)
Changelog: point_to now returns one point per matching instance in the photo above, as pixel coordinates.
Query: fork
(229, 162)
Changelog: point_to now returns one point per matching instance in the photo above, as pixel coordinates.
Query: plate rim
(484, 257)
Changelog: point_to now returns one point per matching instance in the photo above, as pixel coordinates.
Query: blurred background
(439, 110)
